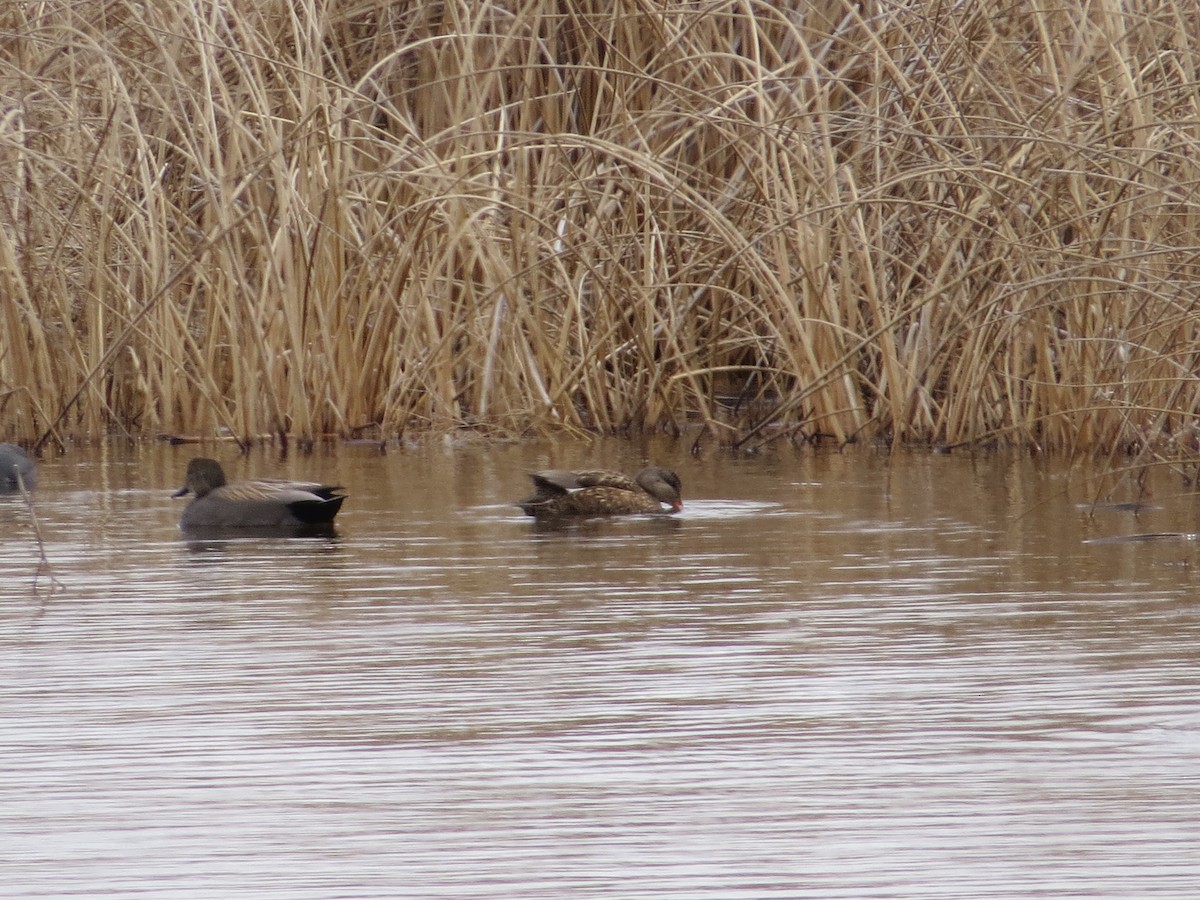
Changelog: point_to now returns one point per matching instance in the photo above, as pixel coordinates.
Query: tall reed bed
(910, 221)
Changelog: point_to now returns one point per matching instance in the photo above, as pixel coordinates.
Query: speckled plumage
(600, 493)
(263, 503)
(14, 461)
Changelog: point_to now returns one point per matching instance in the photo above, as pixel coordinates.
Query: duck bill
(183, 490)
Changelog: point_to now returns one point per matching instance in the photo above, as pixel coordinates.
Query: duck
(262, 503)
(16, 469)
(602, 493)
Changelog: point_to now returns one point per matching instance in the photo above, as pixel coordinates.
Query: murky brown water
(832, 676)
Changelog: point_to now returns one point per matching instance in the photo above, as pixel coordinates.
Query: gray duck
(262, 503)
(14, 462)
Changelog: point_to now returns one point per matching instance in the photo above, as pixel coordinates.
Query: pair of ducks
(267, 503)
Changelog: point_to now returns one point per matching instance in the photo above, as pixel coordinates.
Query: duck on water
(602, 493)
(16, 469)
(261, 503)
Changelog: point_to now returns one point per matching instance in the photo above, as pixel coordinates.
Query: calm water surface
(831, 676)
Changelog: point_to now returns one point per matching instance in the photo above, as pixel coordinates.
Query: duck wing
(555, 482)
(606, 478)
(275, 489)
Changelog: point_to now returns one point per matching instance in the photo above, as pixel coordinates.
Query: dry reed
(908, 221)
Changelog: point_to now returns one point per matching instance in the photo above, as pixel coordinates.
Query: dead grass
(915, 222)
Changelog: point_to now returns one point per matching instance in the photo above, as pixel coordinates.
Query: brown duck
(599, 493)
(264, 503)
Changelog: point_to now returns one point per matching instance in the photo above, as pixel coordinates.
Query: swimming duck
(600, 493)
(14, 461)
(263, 503)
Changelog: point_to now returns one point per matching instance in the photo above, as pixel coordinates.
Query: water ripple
(812, 692)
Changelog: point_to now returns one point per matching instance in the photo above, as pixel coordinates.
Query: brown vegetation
(915, 221)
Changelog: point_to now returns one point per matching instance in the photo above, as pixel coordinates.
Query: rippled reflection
(830, 676)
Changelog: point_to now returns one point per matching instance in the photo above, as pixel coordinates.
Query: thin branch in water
(44, 561)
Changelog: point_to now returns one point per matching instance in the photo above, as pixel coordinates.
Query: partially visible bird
(14, 462)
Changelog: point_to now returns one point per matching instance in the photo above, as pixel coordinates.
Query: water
(831, 676)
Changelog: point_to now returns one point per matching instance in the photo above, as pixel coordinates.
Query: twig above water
(44, 561)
